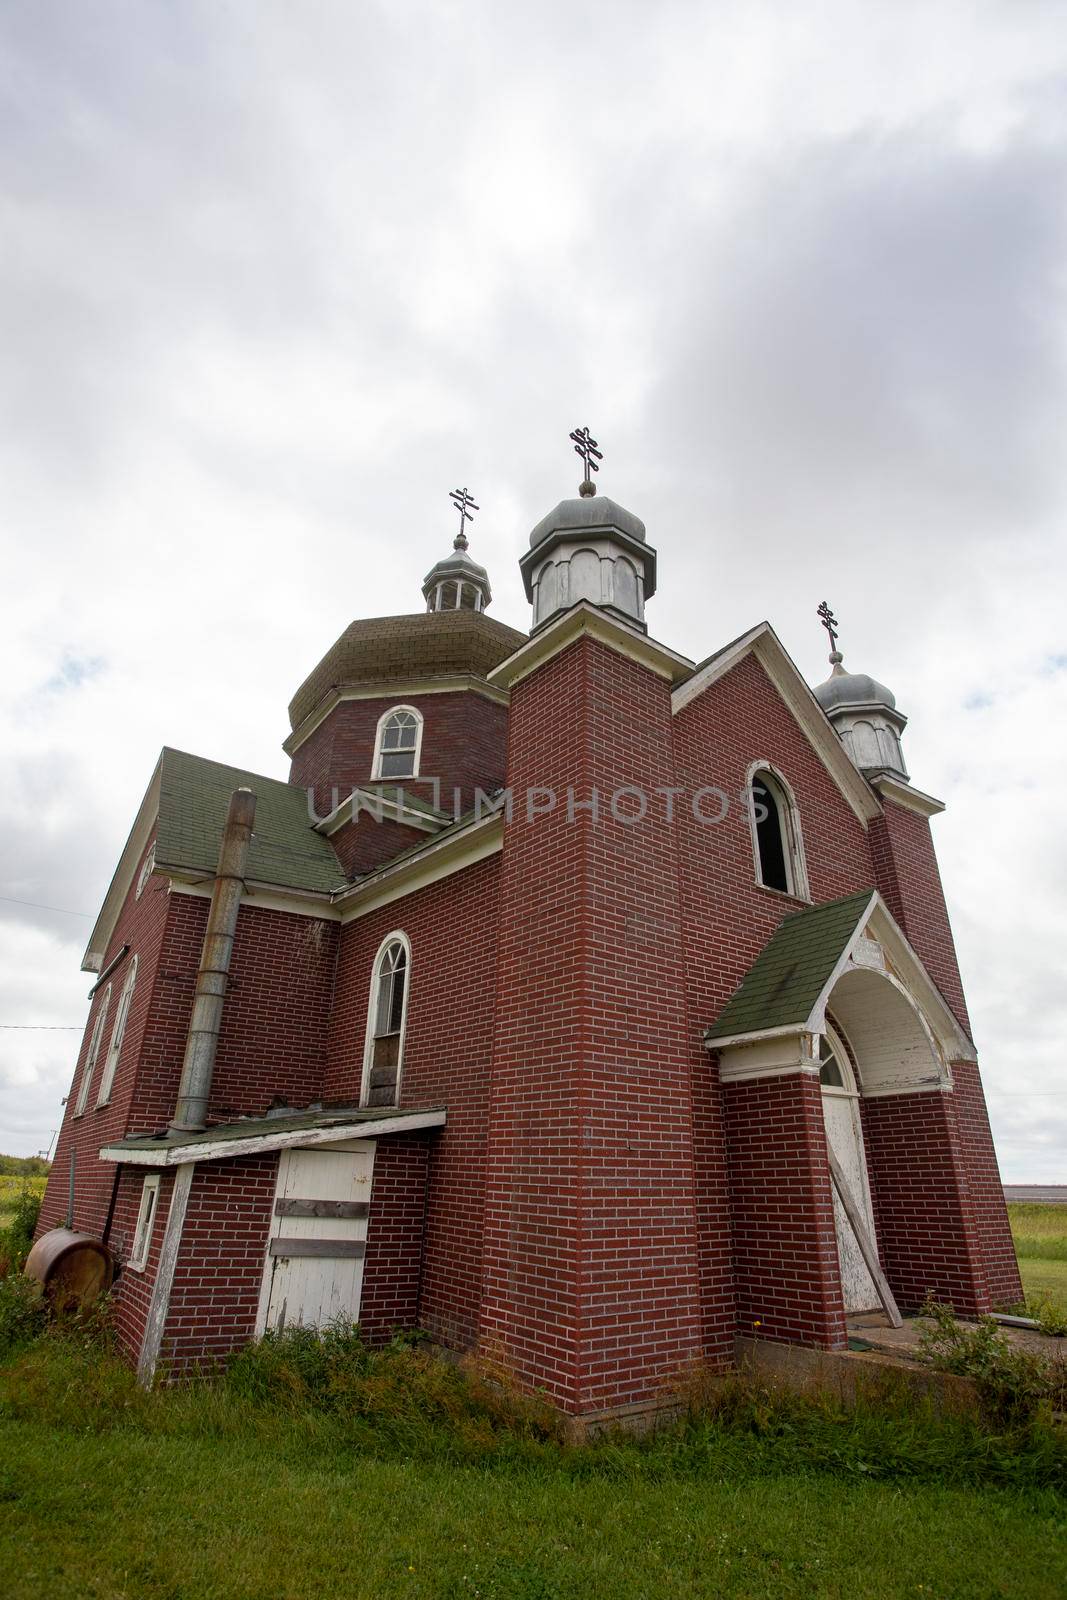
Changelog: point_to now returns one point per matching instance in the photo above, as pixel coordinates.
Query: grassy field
(1040, 1233)
(402, 1480)
(10, 1187)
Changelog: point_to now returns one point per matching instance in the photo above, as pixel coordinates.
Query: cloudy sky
(274, 278)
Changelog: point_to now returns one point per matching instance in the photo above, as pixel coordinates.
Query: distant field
(1040, 1233)
(11, 1186)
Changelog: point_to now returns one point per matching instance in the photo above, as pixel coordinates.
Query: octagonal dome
(427, 645)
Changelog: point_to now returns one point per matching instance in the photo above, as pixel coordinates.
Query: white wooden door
(844, 1135)
(314, 1267)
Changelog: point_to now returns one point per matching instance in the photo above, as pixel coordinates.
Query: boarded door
(314, 1268)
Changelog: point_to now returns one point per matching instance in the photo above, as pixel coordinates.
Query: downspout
(190, 1112)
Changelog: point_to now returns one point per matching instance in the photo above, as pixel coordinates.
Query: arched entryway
(875, 1041)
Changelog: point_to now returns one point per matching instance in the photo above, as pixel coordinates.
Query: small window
(146, 1216)
(836, 1071)
(398, 744)
(148, 866)
(92, 1053)
(115, 1047)
(830, 1075)
(776, 835)
(385, 1029)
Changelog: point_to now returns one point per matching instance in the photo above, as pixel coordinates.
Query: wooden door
(314, 1268)
(844, 1135)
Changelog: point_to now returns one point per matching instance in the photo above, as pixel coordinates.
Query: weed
(22, 1314)
(1049, 1314)
(1015, 1384)
(17, 1237)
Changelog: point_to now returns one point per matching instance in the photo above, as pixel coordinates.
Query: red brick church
(572, 1001)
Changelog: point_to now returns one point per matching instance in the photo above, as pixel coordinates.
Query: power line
(42, 1027)
(64, 911)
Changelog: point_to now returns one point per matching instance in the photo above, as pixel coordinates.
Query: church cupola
(589, 549)
(457, 583)
(862, 710)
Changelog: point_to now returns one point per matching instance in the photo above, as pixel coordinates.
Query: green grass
(394, 1475)
(194, 1517)
(1040, 1234)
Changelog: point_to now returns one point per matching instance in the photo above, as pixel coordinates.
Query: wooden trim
(323, 1249)
(585, 620)
(322, 1208)
(261, 1144)
(168, 1260)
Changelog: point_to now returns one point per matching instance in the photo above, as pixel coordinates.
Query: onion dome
(864, 713)
(457, 583)
(589, 549)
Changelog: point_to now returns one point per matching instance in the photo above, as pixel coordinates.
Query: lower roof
(261, 1135)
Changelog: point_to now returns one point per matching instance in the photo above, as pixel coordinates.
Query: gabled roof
(787, 987)
(783, 984)
(186, 803)
(286, 850)
(763, 643)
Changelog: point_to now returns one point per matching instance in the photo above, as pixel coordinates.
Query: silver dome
(588, 515)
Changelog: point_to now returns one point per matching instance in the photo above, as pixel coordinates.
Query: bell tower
(589, 549)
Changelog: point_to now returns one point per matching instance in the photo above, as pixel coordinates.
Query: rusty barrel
(72, 1268)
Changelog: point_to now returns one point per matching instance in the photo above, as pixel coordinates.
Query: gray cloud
(274, 280)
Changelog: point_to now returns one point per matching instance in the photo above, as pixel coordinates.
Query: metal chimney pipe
(190, 1113)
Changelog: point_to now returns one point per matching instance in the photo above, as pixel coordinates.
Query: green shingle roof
(193, 797)
(784, 983)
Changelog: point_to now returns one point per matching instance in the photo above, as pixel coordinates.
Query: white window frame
(146, 1221)
(376, 768)
(796, 867)
(849, 1087)
(118, 1033)
(397, 936)
(92, 1054)
(148, 866)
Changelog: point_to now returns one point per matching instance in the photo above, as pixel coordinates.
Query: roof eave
(123, 876)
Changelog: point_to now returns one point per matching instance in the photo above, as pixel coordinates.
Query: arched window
(398, 744)
(387, 1018)
(776, 839)
(117, 1032)
(148, 866)
(92, 1054)
(835, 1069)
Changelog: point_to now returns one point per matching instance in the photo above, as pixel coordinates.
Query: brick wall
(141, 924)
(132, 1295)
(590, 1241)
(919, 1189)
(464, 739)
(392, 1269)
(781, 1208)
(274, 1020)
(988, 1210)
(728, 918)
(452, 927)
(368, 843)
(219, 1272)
(907, 874)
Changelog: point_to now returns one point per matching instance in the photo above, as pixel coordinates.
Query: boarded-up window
(388, 1009)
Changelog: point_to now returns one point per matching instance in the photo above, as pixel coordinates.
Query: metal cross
(585, 446)
(829, 622)
(464, 504)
